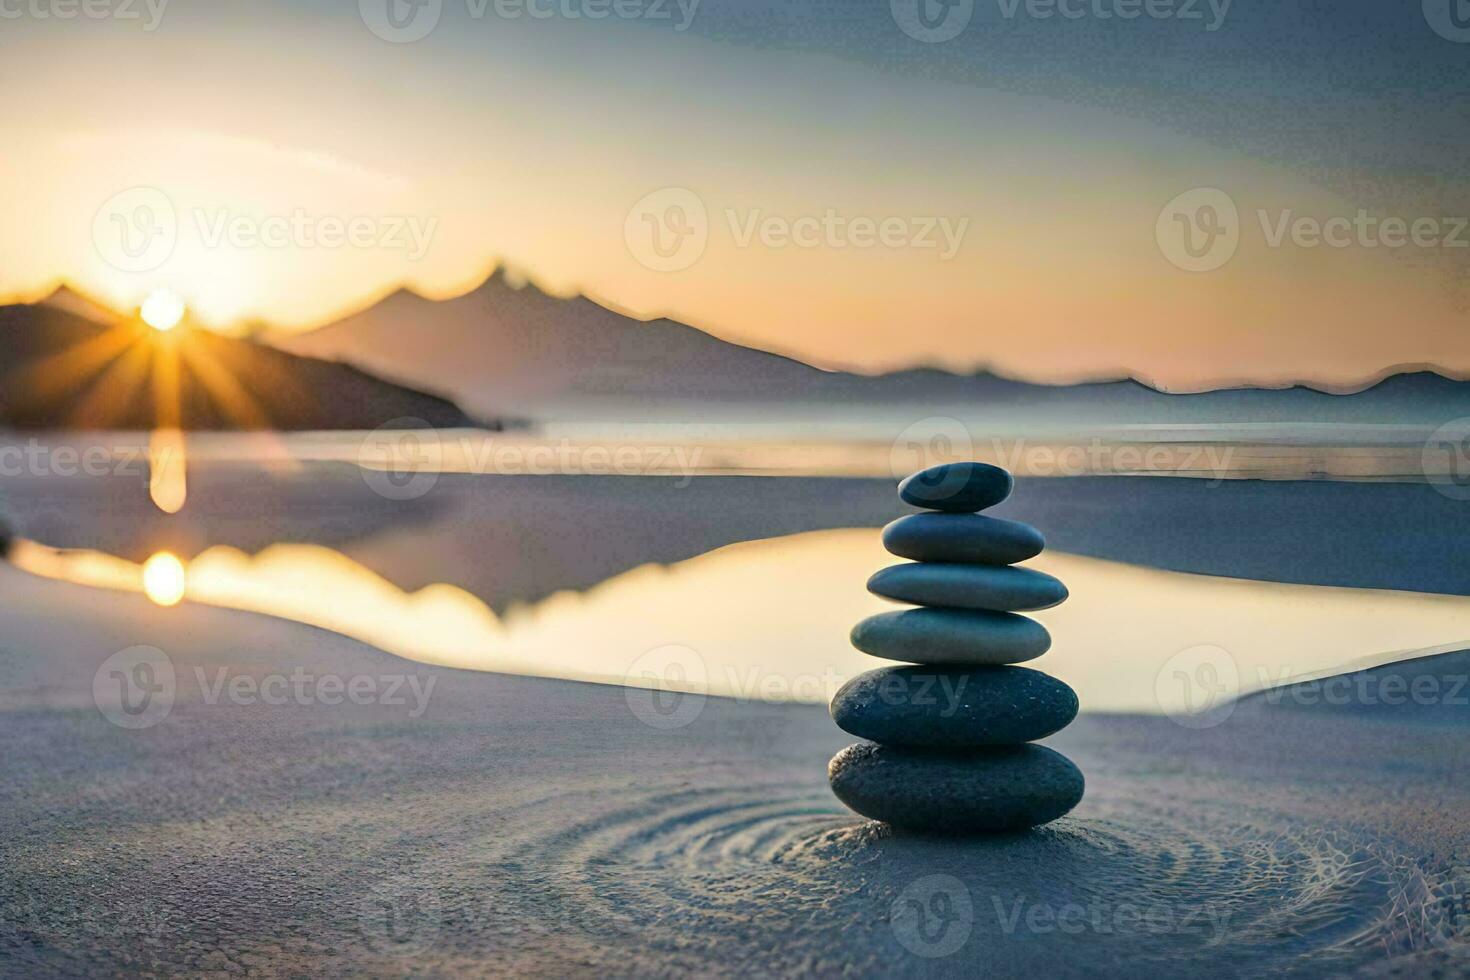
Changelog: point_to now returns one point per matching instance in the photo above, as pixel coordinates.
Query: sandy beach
(777, 489)
(501, 824)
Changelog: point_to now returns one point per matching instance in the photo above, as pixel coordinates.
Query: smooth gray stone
(962, 537)
(951, 636)
(928, 707)
(960, 488)
(956, 793)
(998, 588)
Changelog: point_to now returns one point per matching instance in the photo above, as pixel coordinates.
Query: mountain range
(510, 348)
(68, 362)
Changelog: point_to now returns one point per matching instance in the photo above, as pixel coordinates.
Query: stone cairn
(949, 739)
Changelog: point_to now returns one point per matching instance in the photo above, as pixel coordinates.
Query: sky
(1197, 195)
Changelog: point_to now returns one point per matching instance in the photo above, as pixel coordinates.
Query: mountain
(507, 346)
(66, 362)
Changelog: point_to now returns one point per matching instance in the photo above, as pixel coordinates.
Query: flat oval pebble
(956, 793)
(951, 636)
(961, 488)
(962, 537)
(998, 588)
(928, 707)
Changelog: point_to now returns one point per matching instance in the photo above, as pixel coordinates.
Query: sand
(517, 824)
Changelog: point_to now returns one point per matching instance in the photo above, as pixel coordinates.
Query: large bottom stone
(956, 793)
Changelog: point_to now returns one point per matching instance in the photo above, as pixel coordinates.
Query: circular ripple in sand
(711, 874)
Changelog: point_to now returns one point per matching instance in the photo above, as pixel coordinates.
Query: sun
(162, 310)
(164, 579)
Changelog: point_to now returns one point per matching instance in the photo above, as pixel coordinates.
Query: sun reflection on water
(168, 485)
(769, 619)
(164, 579)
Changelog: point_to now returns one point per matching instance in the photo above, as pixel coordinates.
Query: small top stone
(957, 488)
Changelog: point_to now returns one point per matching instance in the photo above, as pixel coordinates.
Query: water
(746, 586)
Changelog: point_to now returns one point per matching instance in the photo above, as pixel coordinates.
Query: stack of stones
(949, 740)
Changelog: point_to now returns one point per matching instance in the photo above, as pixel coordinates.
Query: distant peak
(69, 300)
